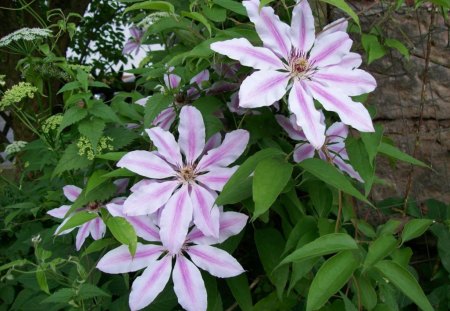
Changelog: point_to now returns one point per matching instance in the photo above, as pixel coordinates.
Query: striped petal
(146, 164)
(206, 215)
(82, 234)
(302, 27)
(303, 152)
(231, 223)
(142, 183)
(189, 286)
(149, 198)
(143, 101)
(97, 228)
(71, 192)
(192, 133)
(330, 49)
(150, 284)
(350, 61)
(337, 25)
(59, 212)
(291, 128)
(229, 151)
(200, 78)
(272, 31)
(175, 219)
(217, 178)
(308, 117)
(216, 261)
(213, 142)
(350, 82)
(119, 260)
(165, 118)
(144, 227)
(347, 168)
(172, 81)
(263, 88)
(337, 132)
(166, 145)
(248, 55)
(350, 112)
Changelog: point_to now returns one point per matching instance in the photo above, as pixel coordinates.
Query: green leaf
(83, 78)
(390, 227)
(70, 87)
(263, 3)
(241, 291)
(92, 129)
(399, 46)
(88, 291)
(154, 106)
(105, 112)
(121, 137)
(240, 178)
(405, 282)
(42, 280)
(443, 3)
(330, 278)
(120, 172)
(15, 263)
(270, 178)
(360, 161)
(70, 160)
(60, 296)
(152, 5)
(97, 246)
(372, 141)
(199, 18)
(233, 6)
(324, 245)
(367, 292)
(77, 220)
(270, 244)
(396, 153)
(304, 226)
(112, 156)
(215, 13)
(341, 4)
(379, 249)
(415, 228)
(373, 47)
(123, 232)
(332, 176)
(96, 179)
(71, 116)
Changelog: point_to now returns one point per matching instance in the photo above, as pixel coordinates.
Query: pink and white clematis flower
(183, 179)
(172, 81)
(314, 67)
(157, 261)
(333, 149)
(134, 42)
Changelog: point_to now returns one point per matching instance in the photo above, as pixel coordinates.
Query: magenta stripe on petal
(216, 261)
(330, 49)
(206, 215)
(192, 133)
(71, 192)
(166, 144)
(146, 164)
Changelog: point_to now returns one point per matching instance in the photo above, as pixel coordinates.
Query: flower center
(299, 65)
(93, 206)
(187, 174)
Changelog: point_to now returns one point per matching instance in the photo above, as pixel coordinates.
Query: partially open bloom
(187, 280)
(134, 42)
(183, 179)
(320, 67)
(172, 81)
(332, 151)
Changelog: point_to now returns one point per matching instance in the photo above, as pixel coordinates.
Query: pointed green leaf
(379, 249)
(415, 228)
(240, 289)
(270, 178)
(396, 153)
(155, 104)
(332, 176)
(123, 231)
(77, 220)
(324, 245)
(405, 282)
(152, 5)
(330, 278)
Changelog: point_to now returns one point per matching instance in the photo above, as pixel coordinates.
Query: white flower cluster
(15, 147)
(26, 34)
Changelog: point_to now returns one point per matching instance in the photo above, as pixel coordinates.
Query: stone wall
(399, 102)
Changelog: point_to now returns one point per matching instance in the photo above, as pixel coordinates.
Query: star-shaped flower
(313, 67)
(183, 179)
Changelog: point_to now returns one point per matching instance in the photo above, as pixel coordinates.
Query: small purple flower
(320, 67)
(184, 179)
(166, 117)
(134, 42)
(157, 261)
(333, 149)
